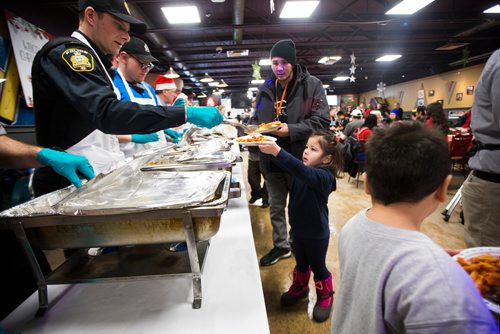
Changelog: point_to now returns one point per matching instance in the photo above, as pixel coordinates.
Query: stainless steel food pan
(49, 230)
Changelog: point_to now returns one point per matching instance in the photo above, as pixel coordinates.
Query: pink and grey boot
(298, 290)
(324, 302)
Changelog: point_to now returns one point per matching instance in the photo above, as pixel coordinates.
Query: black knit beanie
(286, 50)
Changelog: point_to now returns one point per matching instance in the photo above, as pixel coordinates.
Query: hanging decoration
(381, 89)
(352, 69)
(271, 4)
(256, 71)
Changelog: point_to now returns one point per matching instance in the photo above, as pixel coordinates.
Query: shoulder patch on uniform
(78, 60)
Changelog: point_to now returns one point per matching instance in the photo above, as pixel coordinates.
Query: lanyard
(280, 103)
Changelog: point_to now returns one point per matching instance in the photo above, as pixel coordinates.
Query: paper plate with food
(268, 127)
(483, 266)
(253, 140)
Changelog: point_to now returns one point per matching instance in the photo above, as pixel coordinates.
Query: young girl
(313, 181)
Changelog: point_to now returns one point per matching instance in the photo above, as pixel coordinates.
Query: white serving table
(233, 299)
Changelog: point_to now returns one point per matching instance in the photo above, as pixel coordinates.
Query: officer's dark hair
(330, 146)
(405, 162)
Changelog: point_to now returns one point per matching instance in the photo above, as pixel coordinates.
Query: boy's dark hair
(329, 145)
(406, 162)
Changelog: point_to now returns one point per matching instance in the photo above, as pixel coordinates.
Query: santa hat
(163, 83)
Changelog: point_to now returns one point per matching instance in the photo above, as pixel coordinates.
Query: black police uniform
(73, 96)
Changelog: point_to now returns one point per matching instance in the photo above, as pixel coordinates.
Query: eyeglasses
(148, 66)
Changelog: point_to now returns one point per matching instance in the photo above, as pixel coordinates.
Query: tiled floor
(343, 204)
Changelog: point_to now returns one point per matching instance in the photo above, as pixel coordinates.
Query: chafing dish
(83, 218)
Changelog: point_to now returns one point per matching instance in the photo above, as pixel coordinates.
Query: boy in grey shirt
(393, 278)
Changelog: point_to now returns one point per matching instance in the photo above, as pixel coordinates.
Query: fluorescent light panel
(257, 82)
(298, 9)
(408, 7)
(213, 83)
(388, 58)
(340, 78)
(326, 86)
(493, 10)
(181, 15)
(329, 60)
(251, 89)
(265, 62)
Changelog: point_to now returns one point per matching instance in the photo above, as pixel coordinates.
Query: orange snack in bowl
(484, 270)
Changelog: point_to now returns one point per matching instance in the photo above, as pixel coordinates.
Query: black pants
(254, 179)
(311, 253)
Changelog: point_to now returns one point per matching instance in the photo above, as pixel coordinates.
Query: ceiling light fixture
(222, 84)
(171, 73)
(206, 78)
(201, 95)
(252, 89)
(493, 10)
(265, 62)
(408, 7)
(388, 58)
(326, 86)
(213, 83)
(329, 60)
(181, 15)
(340, 78)
(298, 9)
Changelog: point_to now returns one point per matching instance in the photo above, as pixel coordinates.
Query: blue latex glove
(147, 138)
(66, 165)
(179, 102)
(173, 134)
(207, 117)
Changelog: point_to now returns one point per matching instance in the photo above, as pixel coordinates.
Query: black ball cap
(139, 49)
(117, 8)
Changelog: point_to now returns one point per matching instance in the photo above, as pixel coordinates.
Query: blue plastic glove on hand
(147, 138)
(207, 117)
(179, 102)
(173, 134)
(66, 165)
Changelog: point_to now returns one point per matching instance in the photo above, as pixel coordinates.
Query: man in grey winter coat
(297, 99)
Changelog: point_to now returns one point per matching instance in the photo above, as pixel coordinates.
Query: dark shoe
(253, 199)
(274, 256)
(264, 205)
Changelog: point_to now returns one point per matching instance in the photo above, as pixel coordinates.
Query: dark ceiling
(336, 27)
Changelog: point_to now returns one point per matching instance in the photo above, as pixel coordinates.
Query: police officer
(77, 106)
